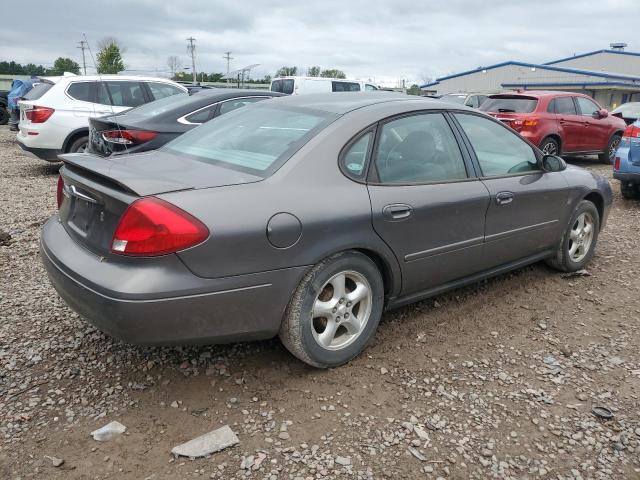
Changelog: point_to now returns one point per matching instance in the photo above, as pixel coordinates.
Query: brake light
(616, 164)
(128, 137)
(632, 132)
(38, 114)
(524, 123)
(60, 191)
(151, 227)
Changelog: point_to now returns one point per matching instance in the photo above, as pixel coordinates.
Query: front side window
(230, 105)
(369, 88)
(80, 91)
(587, 107)
(345, 87)
(499, 150)
(120, 93)
(163, 90)
(255, 140)
(564, 106)
(354, 158)
(418, 149)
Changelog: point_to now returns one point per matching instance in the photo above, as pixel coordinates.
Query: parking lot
(493, 381)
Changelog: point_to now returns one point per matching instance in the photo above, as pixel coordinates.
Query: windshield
(452, 97)
(253, 139)
(630, 109)
(159, 106)
(509, 104)
(283, 86)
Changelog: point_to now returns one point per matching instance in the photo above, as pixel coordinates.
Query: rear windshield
(253, 139)
(507, 104)
(159, 106)
(283, 86)
(631, 109)
(38, 90)
(454, 98)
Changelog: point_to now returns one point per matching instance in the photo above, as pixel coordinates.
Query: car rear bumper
(48, 154)
(627, 177)
(159, 301)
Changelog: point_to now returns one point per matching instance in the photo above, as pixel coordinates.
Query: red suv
(559, 122)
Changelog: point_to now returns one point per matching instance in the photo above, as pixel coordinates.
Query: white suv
(54, 115)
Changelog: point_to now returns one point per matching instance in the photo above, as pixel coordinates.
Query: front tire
(335, 310)
(550, 146)
(609, 154)
(579, 239)
(4, 115)
(79, 145)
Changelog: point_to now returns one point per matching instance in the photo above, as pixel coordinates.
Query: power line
(82, 47)
(191, 49)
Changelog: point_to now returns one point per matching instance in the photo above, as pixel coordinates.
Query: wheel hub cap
(581, 237)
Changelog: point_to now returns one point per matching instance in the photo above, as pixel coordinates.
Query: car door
(527, 204)
(571, 126)
(597, 136)
(427, 203)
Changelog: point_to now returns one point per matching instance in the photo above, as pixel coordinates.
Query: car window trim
(373, 176)
(184, 121)
(536, 152)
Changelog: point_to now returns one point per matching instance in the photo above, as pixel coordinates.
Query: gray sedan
(306, 217)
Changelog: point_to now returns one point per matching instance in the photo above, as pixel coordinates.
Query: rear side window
(499, 150)
(587, 107)
(254, 140)
(38, 90)
(510, 104)
(354, 158)
(564, 106)
(163, 90)
(418, 149)
(81, 91)
(203, 115)
(283, 86)
(120, 93)
(345, 87)
(231, 105)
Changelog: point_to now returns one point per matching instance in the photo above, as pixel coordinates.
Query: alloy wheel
(581, 237)
(341, 310)
(613, 147)
(549, 148)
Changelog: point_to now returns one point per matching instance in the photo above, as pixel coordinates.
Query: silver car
(306, 217)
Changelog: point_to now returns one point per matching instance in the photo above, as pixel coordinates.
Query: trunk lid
(98, 190)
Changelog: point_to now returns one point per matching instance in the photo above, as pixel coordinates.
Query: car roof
(344, 102)
(539, 93)
(73, 78)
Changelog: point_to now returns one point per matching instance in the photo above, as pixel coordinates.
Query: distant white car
(54, 115)
(303, 85)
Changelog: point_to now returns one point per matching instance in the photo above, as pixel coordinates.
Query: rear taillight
(632, 132)
(151, 227)
(128, 137)
(60, 191)
(38, 114)
(519, 124)
(616, 164)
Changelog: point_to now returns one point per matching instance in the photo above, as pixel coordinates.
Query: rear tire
(4, 115)
(629, 192)
(609, 154)
(578, 245)
(335, 310)
(550, 146)
(79, 145)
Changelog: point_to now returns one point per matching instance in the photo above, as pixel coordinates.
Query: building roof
(549, 66)
(595, 52)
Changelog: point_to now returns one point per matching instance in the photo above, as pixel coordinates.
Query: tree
(174, 64)
(287, 72)
(414, 90)
(33, 69)
(313, 71)
(332, 73)
(62, 65)
(110, 56)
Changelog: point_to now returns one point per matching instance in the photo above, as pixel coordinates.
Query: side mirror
(552, 163)
(602, 113)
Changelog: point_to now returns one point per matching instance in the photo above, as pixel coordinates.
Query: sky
(381, 41)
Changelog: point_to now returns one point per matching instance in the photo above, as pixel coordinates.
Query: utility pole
(191, 49)
(227, 56)
(83, 46)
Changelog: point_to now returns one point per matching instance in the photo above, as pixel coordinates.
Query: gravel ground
(492, 381)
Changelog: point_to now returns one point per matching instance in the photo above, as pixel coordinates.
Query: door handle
(504, 198)
(397, 211)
